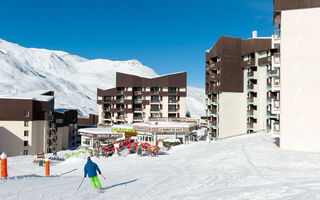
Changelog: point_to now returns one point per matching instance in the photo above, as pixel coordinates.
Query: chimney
(254, 34)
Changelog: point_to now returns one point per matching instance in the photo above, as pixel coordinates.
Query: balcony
(276, 58)
(154, 109)
(137, 101)
(107, 117)
(137, 117)
(107, 109)
(271, 116)
(138, 109)
(269, 100)
(155, 92)
(250, 100)
(107, 99)
(121, 117)
(250, 113)
(120, 100)
(250, 75)
(138, 92)
(172, 92)
(173, 101)
(173, 109)
(250, 88)
(120, 91)
(155, 101)
(119, 108)
(273, 73)
(250, 126)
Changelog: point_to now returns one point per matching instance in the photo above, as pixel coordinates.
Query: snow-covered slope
(74, 79)
(241, 168)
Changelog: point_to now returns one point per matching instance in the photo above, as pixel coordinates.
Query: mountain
(74, 79)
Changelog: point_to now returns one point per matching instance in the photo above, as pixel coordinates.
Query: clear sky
(166, 35)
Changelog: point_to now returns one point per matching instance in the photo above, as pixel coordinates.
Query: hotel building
(297, 38)
(236, 85)
(27, 125)
(139, 99)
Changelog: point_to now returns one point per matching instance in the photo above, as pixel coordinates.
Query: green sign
(126, 130)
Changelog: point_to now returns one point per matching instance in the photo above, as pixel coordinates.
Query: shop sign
(169, 130)
(127, 130)
(108, 135)
(140, 128)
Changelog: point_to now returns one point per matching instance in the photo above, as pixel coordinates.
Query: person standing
(91, 169)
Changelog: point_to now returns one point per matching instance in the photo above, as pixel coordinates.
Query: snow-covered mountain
(74, 79)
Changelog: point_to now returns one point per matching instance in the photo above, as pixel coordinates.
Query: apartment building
(297, 38)
(256, 63)
(138, 99)
(27, 124)
(65, 121)
(236, 85)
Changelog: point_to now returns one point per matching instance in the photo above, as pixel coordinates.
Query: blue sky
(166, 35)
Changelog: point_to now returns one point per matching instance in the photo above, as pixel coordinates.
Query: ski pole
(81, 183)
(103, 177)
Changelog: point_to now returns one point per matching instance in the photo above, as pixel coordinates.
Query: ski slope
(245, 167)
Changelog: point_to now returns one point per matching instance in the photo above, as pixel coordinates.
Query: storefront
(150, 132)
(96, 137)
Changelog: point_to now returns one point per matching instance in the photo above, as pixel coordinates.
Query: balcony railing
(138, 109)
(271, 116)
(120, 100)
(155, 109)
(250, 113)
(250, 87)
(277, 59)
(172, 92)
(121, 117)
(137, 101)
(273, 73)
(107, 109)
(172, 109)
(250, 126)
(120, 91)
(173, 101)
(250, 100)
(137, 117)
(154, 92)
(250, 75)
(119, 108)
(137, 92)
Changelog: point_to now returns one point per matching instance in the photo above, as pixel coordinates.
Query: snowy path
(247, 167)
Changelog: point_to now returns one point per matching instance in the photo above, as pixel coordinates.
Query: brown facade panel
(265, 61)
(92, 120)
(279, 5)
(249, 46)
(171, 80)
(24, 109)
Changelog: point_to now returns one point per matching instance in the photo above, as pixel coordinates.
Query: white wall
(232, 114)
(300, 82)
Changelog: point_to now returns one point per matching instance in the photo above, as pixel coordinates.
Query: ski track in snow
(241, 168)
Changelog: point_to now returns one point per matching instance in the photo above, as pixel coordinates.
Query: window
(25, 152)
(25, 143)
(26, 133)
(26, 123)
(26, 113)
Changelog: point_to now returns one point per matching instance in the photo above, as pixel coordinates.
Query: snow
(96, 130)
(73, 79)
(244, 167)
(164, 124)
(34, 95)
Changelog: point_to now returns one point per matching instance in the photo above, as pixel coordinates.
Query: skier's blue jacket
(91, 169)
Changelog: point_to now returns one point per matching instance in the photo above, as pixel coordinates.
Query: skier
(91, 169)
